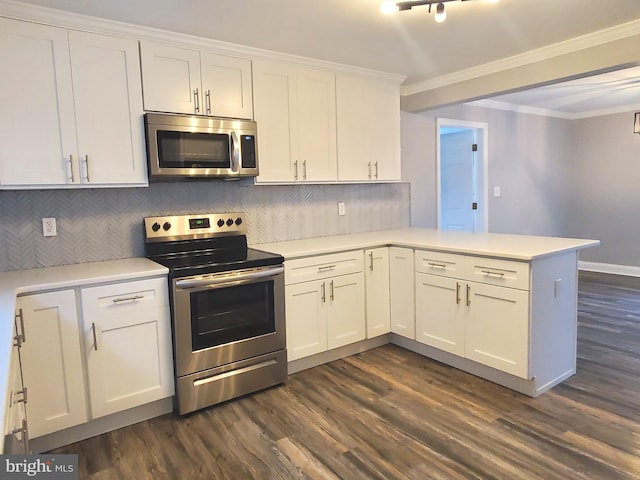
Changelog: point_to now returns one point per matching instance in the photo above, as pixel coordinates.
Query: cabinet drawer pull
(493, 274)
(331, 296)
(468, 295)
(436, 265)
(127, 299)
(95, 338)
(325, 268)
(457, 293)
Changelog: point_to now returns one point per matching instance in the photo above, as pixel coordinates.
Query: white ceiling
(355, 32)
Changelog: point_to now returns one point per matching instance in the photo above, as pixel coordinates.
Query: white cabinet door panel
(306, 319)
(51, 362)
(226, 86)
(346, 315)
(377, 285)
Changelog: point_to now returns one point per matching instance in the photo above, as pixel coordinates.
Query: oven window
(229, 314)
(193, 150)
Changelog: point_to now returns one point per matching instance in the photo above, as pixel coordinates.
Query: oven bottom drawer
(209, 387)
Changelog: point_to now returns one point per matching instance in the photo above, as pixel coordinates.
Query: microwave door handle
(235, 152)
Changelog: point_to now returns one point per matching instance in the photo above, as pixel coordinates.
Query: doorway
(461, 168)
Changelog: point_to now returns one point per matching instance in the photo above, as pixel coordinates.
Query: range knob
(220, 223)
(166, 226)
(238, 221)
(229, 222)
(155, 227)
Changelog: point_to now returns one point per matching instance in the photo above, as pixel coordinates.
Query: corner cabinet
(180, 80)
(295, 108)
(377, 291)
(368, 126)
(325, 303)
(112, 355)
(79, 83)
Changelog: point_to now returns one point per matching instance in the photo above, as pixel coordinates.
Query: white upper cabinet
(79, 122)
(368, 129)
(180, 80)
(296, 116)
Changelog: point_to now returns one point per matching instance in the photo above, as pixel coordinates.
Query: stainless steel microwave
(181, 147)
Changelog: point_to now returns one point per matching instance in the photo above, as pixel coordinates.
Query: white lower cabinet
(127, 344)
(377, 291)
(483, 322)
(124, 330)
(402, 291)
(52, 362)
(325, 303)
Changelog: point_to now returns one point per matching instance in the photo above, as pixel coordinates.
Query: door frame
(483, 188)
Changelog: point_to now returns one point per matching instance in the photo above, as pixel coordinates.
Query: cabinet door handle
(95, 338)
(457, 293)
(331, 296)
(196, 100)
(86, 168)
(376, 165)
(207, 99)
(495, 274)
(369, 170)
(371, 261)
(304, 169)
(323, 294)
(21, 337)
(127, 299)
(295, 170)
(24, 430)
(468, 295)
(71, 176)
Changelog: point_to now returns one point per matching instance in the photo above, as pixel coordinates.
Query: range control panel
(194, 226)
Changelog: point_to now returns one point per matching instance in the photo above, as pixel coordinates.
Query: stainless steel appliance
(183, 147)
(227, 305)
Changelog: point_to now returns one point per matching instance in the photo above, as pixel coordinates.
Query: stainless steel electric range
(227, 307)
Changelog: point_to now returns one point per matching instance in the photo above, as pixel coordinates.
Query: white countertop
(19, 282)
(513, 247)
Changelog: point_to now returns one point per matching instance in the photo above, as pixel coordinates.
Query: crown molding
(74, 21)
(589, 40)
(544, 112)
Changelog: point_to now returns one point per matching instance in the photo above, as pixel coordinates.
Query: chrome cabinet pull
(95, 338)
(371, 261)
(436, 265)
(196, 100)
(22, 336)
(323, 294)
(468, 295)
(207, 99)
(324, 268)
(376, 165)
(304, 169)
(295, 170)
(331, 293)
(494, 274)
(457, 293)
(86, 168)
(71, 176)
(127, 299)
(369, 170)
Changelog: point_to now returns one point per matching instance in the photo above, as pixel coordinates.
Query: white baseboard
(627, 270)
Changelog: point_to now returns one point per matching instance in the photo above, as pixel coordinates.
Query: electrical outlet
(49, 227)
(341, 209)
(496, 191)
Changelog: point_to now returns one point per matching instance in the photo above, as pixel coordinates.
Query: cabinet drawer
(440, 263)
(323, 266)
(146, 293)
(505, 273)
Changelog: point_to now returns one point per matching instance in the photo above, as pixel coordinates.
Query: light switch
(496, 191)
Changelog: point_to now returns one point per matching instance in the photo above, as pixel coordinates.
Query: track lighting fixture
(390, 6)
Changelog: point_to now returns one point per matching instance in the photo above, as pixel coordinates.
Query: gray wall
(105, 224)
(603, 188)
(524, 152)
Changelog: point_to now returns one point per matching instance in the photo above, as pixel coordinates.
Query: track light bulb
(441, 15)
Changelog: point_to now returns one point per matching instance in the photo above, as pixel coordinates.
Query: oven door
(227, 317)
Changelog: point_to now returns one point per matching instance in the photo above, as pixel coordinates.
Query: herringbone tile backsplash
(104, 224)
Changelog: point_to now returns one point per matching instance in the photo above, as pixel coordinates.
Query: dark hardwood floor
(392, 414)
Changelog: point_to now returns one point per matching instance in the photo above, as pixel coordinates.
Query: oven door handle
(228, 278)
